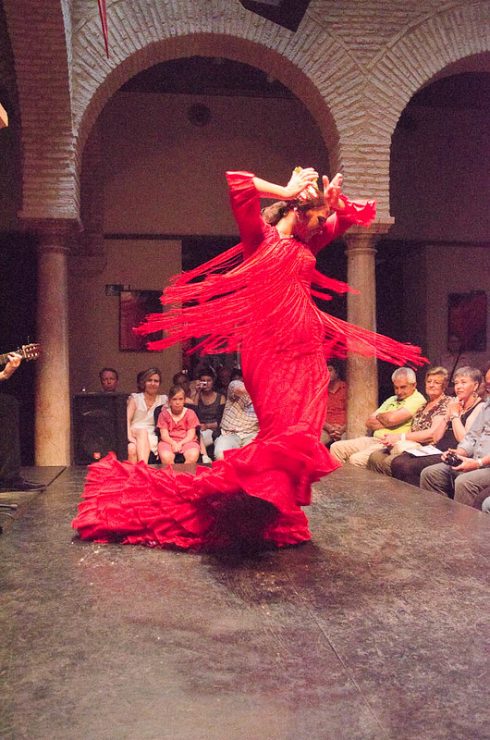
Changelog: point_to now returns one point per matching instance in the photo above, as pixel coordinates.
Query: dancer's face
(309, 223)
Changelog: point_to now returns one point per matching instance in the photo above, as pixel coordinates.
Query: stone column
(362, 372)
(53, 418)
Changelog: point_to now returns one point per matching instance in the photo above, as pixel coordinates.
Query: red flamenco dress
(255, 297)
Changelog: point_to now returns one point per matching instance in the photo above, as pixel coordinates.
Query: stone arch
(435, 43)
(409, 61)
(236, 49)
(415, 57)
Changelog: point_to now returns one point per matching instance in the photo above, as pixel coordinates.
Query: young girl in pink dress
(177, 426)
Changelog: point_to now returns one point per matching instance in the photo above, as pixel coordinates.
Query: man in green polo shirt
(394, 415)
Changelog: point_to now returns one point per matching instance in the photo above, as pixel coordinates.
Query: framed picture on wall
(134, 305)
(467, 319)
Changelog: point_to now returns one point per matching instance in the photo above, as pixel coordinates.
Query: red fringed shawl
(247, 286)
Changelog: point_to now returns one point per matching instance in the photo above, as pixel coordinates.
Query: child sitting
(177, 425)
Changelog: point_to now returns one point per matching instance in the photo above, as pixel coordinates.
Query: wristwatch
(480, 462)
(454, 416)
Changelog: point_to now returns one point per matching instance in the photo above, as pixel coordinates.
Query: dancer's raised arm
(300, 180)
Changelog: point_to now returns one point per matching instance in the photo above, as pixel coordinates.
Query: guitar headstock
(30, 351)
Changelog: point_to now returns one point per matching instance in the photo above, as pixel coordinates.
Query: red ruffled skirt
(254, 494)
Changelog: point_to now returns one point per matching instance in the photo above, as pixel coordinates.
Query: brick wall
(354, 65)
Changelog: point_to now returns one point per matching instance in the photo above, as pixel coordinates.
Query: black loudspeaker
(99, 426)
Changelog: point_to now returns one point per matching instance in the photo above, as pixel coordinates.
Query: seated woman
(460, 416)
(209, 404)
(428, 424)
(177, 425)
(141, 423)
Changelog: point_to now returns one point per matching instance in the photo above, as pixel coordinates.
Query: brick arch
(425, 49)
(411, 60)
(214, 45)
(39, 43)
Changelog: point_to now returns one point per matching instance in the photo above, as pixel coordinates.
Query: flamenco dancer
(255, 297)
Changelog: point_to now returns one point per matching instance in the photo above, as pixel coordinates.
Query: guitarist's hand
(11, 366)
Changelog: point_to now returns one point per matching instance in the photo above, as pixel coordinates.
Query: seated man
(10, 477)
(468, 478)
(109, 379)
(239, 425)
(394, 415)
(336, 421)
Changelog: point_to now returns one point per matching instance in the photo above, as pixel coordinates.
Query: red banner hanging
(103, 20)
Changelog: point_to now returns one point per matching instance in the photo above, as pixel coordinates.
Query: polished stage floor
(378, 628)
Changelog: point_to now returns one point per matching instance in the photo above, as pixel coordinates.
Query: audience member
(464, 471)
(460, 416)
(109, 379)
(394, 415)
(10, 476)
(181, 378)
(336, 421)
(209, 403)
(142, 438)
(453, 359)
(177, 425)
(484, 390)
(428, 424)
(223, 378)
(239, 424)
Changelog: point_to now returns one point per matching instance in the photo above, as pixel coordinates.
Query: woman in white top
(141, 416)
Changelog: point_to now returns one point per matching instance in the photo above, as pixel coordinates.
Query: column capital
(53, 234)
(362, 240)
(362, 234)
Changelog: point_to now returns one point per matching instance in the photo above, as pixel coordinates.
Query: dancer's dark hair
(272, 214)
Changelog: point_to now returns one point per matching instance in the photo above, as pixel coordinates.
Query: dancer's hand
(302, 180)
(332, 191)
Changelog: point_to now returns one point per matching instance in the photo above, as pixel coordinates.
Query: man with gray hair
(239, 425)
(394, 415)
